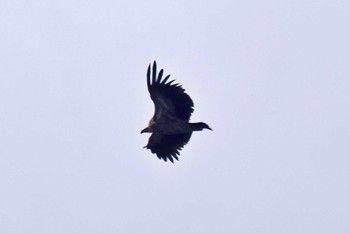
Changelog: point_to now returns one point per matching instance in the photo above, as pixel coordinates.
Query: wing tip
(154, 78)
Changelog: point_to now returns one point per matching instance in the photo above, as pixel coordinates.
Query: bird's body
(177, 126)
(170, 125)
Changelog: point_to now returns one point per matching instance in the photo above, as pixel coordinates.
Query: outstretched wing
(168, 98)
(167, 146)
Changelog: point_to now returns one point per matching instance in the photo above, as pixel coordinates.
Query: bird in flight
(169, 125)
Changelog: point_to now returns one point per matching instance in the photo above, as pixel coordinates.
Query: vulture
(169, 125)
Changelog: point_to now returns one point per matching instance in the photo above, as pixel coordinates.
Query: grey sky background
(271, 78)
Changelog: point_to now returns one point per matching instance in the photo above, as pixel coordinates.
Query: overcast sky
(272, 78)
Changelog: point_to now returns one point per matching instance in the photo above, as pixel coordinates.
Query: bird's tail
(199, 126)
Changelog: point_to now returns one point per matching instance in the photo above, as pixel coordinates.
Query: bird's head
(149, 128)
(146, 130)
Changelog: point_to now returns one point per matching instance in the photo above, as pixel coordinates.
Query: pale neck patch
(151, 122)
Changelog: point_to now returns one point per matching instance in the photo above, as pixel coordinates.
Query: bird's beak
(145, 130)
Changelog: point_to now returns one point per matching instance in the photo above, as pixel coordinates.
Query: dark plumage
(169, 125)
